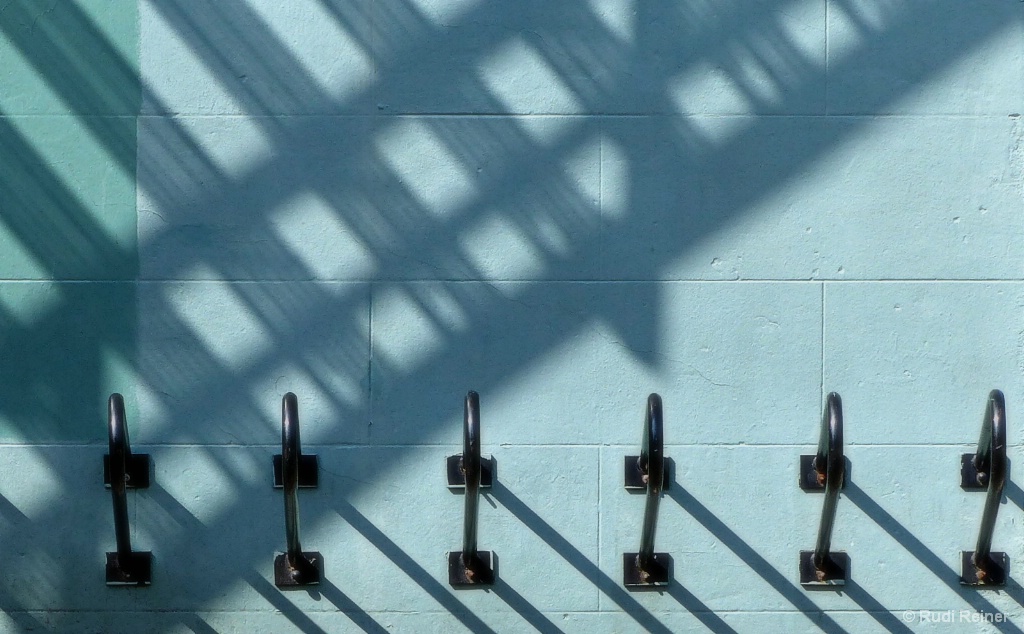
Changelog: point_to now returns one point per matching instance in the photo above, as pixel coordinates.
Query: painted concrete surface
(382, 204)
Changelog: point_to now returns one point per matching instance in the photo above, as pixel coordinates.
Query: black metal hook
(985, 470)
(123, 470)
(294, 567)
(825, 471)
(646, 568)
(471, 567)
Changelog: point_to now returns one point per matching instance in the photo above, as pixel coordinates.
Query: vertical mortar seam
(369, 361)
(600, 200)
(825, 105)
(822, 343)
(600, 596)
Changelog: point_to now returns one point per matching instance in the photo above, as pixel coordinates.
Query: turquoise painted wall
(382, 204)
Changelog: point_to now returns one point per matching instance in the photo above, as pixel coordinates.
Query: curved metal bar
(294, 568)
(825, 471)
(123, 470)
(991, 460)
(290, 452)
(471, 567)
(647, 569)
(120, 456)
(471, 467)
(831, 468)
(652, 463)
(986, 468)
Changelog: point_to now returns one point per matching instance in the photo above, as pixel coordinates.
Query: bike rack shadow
(609, 587)
(779, 581)
(274, 597)
(358, 616)
(524, 608)
(951, 578)
(10, 605)
(761, 566)
(421, 576)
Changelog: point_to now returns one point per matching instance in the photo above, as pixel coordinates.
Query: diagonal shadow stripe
(757, 563)
(416, 572)
(515, 174)
(874, 609)
(11, 605)
(697, 608)
(196, 531)
(922, 553)
(524, 608)
(608, 587)
(345, 605)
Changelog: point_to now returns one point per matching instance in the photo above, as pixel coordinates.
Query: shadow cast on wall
(200, 219)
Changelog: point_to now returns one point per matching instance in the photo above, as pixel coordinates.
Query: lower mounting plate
(136, 572)
(481, 571)
(307, 573)
(657, 574)
(994, 574)
(835, 572)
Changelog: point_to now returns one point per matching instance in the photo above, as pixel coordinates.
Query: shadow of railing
(11, 605)
(1014, 493)
(213, 378)
(698, 609)
(196, 532)
(408, 565)
(922, 553)
(789, 591)
(524, 608)
(607, 586)
(348, 607)
(871, 606)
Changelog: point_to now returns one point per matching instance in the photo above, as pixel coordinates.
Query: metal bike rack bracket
(647, 569)
(825, 471)
(293, 568)
(985, 470)
(123, 470)
(469, 567)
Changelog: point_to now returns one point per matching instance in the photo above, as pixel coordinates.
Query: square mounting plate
(835, 573)
(969, 474)
(138, 572)
(457, 477)
(308, 573)
(634, 477)
(998, 568)
(480, 572)
(309, 471)
(809, 475)
(658, 573)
